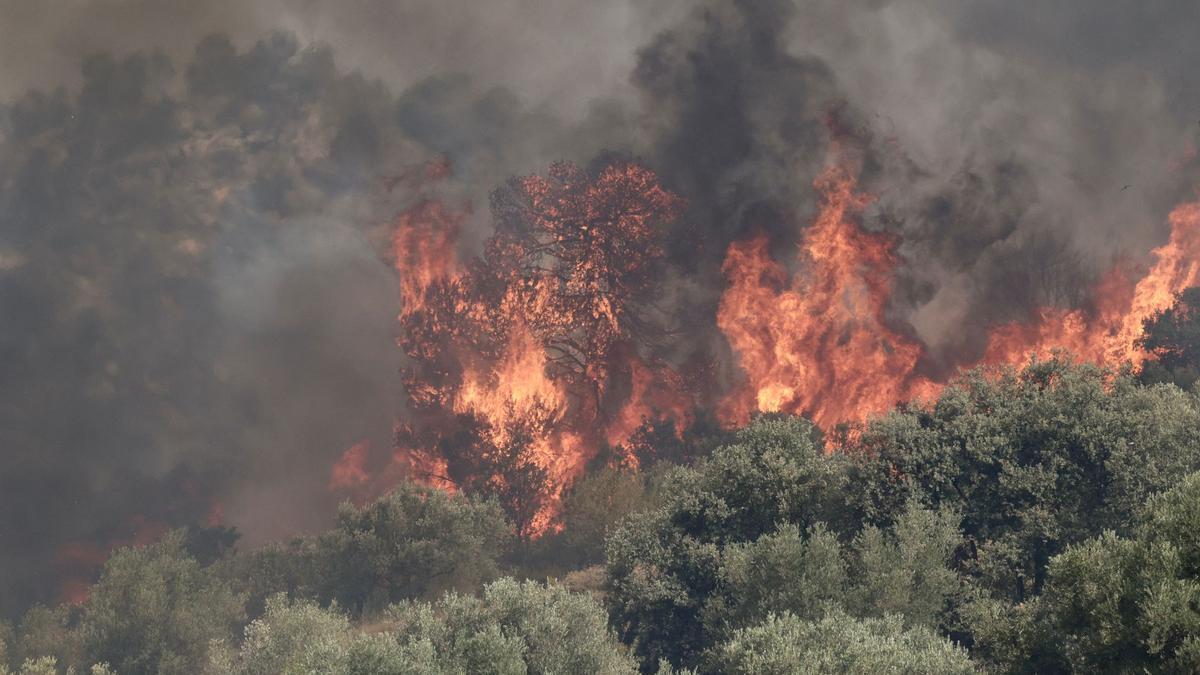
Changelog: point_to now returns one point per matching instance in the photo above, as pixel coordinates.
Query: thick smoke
(1015, 176)
(1030, 147)
(197, 315)
(164, 257)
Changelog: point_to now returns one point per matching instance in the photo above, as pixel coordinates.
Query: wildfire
(523, 361)
(515, 388)
(1109, 333)
(423, 244)
(816, 343)
(514, 396)
(350, 470)
(653, 393)
(79, 561)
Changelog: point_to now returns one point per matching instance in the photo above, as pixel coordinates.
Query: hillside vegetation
(1046, 520)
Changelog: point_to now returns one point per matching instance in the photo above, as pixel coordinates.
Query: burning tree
(528, 359)
(524, 360)
(584, 253)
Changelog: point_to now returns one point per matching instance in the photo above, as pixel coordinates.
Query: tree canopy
(1043, 520)
(1173, 337)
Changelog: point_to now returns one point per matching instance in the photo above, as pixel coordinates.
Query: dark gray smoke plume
(198, 315)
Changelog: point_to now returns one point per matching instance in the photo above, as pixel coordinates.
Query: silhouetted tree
(1173, 337)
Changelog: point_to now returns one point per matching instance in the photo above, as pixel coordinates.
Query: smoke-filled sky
(198, 317)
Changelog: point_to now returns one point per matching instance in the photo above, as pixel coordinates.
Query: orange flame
(81, 561)
(350, 471)
(423, 244)
(514, 388)
(654, 394)
(516, 353)
(515, 392)
(524, 360)
(1108, 334)
(816, 343)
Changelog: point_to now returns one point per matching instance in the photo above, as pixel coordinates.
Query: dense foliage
(1046, 520)
(840, 644)
(511, 628)
(415, 542)
(1173, 336)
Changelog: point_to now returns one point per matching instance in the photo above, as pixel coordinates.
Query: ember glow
(77, 561)
(350, 470)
